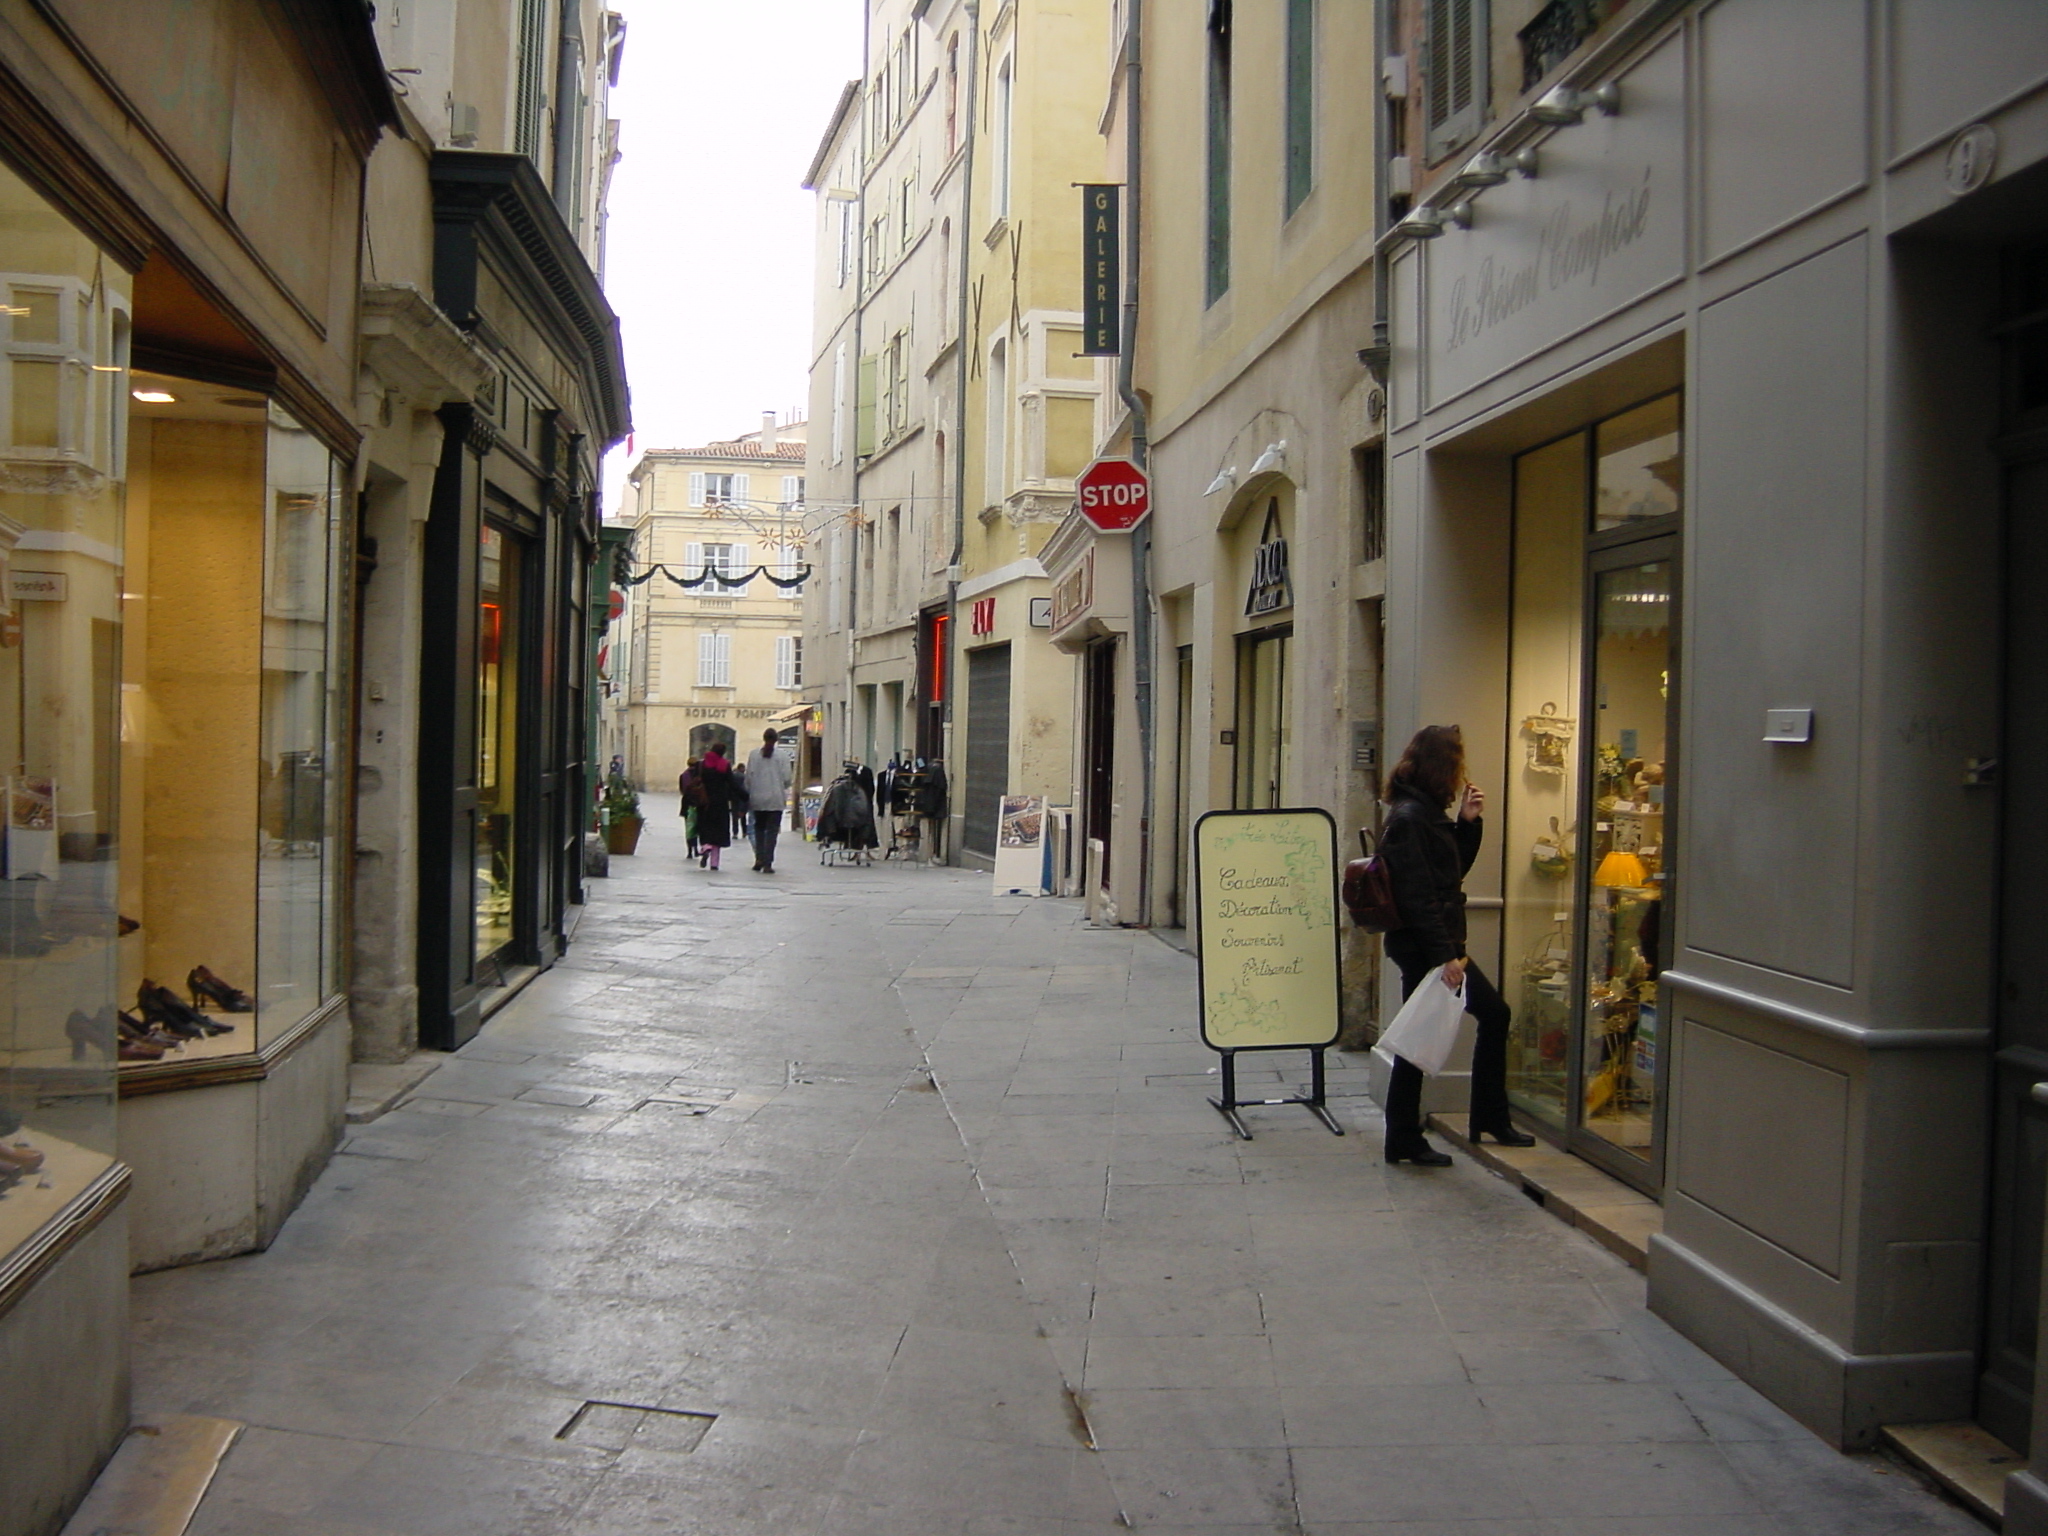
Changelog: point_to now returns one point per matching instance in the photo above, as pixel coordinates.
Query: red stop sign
(1114, 495)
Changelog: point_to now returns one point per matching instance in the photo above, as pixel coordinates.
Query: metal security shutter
(988, 745)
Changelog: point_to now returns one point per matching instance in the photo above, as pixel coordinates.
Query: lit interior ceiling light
(154, 396)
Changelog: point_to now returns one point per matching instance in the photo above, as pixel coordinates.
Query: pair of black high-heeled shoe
(1419, 1152)
(111, 1031)
(163, 1009)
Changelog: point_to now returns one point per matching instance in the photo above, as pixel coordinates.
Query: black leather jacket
(1427, 854)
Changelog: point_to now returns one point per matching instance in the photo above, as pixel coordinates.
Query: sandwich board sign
(1266, 899)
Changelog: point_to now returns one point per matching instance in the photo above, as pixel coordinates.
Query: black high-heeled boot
(1502, 1131)
(1419, 1152)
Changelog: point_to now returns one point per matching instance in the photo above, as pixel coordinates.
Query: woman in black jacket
(1431, 838)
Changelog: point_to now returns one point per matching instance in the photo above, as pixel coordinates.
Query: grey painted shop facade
(1715, 447)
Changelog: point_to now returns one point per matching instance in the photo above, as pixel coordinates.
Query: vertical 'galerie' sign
(1266, 894)
(1100, 333)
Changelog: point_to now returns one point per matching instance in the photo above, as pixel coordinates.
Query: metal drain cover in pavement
(614, 1426)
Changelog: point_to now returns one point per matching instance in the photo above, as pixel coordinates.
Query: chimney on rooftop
(767, 432)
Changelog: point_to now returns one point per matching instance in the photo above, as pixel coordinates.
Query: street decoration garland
(713, 576)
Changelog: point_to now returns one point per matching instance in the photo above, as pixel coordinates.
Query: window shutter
(1457, 83)
(693, 561)
(707, 661)
(722, 653)
(696, 487)
(792, 490)
(864, 409)
(739, 563)
(739, 487)
(839, 403)
(785, 661)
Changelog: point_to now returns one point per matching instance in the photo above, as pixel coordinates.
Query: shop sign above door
(1272, 587)
(1599, 226)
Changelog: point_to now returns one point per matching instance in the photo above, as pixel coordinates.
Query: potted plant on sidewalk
(620, 809)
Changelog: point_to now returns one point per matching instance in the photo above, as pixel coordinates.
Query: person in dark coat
(714, 816)
(1431, 837)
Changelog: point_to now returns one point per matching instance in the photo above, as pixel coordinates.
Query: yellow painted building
(1028, 419)
(1254, 228)
(720, 659)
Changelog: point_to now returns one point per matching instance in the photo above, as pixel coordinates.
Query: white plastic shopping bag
(1427, 1026)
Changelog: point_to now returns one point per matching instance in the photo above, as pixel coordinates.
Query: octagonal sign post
(1114, 495)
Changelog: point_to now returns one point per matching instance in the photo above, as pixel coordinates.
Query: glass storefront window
(65, 330)
(497, 747)
(232, 711)
(297, 869)
(1626, 865)
(1641, 465)
(1543, 786)
(1588, 876)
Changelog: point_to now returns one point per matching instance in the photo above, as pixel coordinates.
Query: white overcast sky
(708, 263)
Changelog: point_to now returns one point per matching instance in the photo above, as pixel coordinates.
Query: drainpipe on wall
(568, 114)
(860, 310)
(1141, 455)
(957, 783)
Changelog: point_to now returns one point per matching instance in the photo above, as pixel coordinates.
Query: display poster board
(1020, 846)
(810, 804)
(1266, 898)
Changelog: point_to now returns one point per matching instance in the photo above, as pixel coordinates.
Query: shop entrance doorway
(1265, 738)
(1589, 879)
(2019, 1176)
(1099, 712)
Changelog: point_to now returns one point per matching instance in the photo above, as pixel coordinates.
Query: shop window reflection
(1625, 907)
(63, 338)
(1641, 465)
(497, 713)
(231, 718)
(1542, 801)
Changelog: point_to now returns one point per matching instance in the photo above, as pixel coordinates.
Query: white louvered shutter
(1456, 86)
(739, 567)
(696, 487)
(785, 661)
(792, 490)
(723, 657)
(693, 562)
(707, 660)
(739, 487)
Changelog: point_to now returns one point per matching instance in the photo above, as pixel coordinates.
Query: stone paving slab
(913, 1193)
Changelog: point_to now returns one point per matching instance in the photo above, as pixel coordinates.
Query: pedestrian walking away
(690, 786)
(721, 792)
(767, 795)
(1434, 826)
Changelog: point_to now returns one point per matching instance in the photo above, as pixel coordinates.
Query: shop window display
(65, 328)
(497, 714)
(1588, 869)
(1543, 784)
(1626, 853)
(231, 707)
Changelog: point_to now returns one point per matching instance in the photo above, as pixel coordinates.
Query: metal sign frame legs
(1229, 1104)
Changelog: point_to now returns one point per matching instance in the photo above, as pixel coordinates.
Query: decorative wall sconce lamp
(1563, 106)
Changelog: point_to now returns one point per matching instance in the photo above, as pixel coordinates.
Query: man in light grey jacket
(767, 798)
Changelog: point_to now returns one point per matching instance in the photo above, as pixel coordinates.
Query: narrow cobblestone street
(915, 1190)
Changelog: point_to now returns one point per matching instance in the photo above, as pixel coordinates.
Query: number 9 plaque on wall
(1266, 897)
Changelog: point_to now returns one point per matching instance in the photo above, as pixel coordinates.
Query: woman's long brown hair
(1433, 766)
